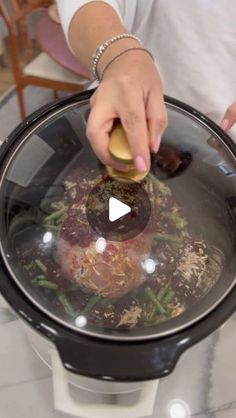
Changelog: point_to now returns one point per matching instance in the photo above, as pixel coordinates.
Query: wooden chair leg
(55, 94)
(3, 63)
(20, 97)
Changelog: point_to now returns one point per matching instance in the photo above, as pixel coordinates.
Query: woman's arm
(131, 88)
(93, 24)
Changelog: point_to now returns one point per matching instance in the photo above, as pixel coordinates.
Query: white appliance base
(93, 405)
(84, 397)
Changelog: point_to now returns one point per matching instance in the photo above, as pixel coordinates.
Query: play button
(118, 211)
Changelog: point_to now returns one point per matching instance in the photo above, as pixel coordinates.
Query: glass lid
(120, 260)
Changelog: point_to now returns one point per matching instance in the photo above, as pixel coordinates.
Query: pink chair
(43, 70)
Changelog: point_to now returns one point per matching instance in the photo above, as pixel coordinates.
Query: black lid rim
(61, 335)
(86, 95)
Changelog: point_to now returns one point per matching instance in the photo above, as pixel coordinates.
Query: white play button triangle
(117, 209)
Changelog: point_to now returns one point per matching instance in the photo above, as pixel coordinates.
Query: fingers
(133, 118)
(222, 152)
(213, 143)
(156, 119)
(229, 118)
(143, 127)
(98, 129)
(137, 100)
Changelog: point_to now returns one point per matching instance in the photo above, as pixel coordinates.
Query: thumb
(229, 118)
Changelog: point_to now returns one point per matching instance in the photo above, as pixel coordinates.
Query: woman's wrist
(102, 48)
(120, 55)
(114, 50)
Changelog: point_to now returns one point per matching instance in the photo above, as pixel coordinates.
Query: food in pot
(113, 273)
(140, 282)
(171, 160)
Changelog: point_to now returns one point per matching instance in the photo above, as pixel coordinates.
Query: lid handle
(119, 150)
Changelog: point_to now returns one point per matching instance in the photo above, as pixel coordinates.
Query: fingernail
(224, 124)
(156, 144)
(123, 168)
(140, 164)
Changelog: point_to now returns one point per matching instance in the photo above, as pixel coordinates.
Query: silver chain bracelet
(101, 48)
(122, 53)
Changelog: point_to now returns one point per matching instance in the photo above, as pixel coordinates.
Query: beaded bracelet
(119, 55)
(101, 48)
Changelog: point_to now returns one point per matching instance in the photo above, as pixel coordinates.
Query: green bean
(41, 277)
(47, 284)
(41, 266)
(168, 238)
(152, 313)
(73, 288)
(173, 246)
(173, 242)
(155, 301)
(91, 303)
(165, 191)
(162, 293)
(58, 205)
(29, 266)
(179, 222)
(59, 220)
(51, 227)
(168, 298)
(55, 215)
(159, 297)
(68, 308)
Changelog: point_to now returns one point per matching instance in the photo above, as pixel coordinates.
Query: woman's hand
(229, 118)
(131, 90)
(227, 123)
